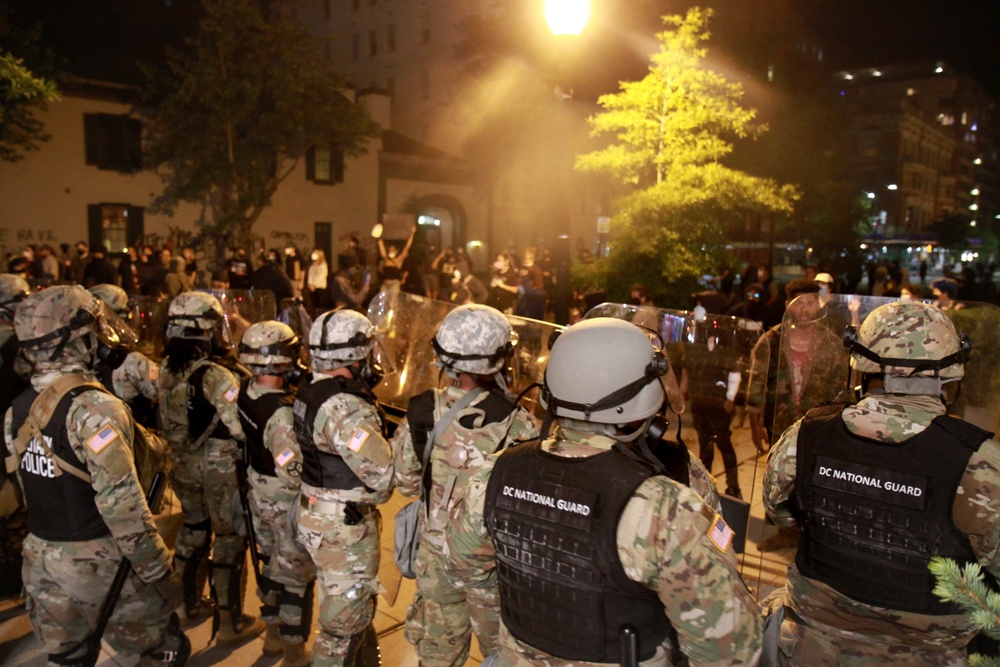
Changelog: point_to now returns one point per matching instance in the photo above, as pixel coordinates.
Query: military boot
(236, 628)
(295, 655)
(272, 641)
(174, 651)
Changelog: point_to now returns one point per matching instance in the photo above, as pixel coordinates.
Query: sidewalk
(761, 572)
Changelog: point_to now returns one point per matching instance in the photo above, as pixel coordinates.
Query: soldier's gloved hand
(170, 588)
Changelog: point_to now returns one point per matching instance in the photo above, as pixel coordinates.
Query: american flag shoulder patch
(102, 439)
(232, 393)
(284, 457)
(358, 440)
(721, 534)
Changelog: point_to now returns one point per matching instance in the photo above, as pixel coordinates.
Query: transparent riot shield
(294, 314)
(243, 308)
(811, 367)
(712, 357)
(148, 317)
(405, 324)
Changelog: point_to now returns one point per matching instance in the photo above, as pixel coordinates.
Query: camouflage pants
(442, 618)
(800, 645)
(205, 482)
(286, 567)
(66, 584)
(346, 559)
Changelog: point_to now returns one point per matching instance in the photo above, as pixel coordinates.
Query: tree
(233, 113)
(22, 94)
(966, 586)
(671, 132)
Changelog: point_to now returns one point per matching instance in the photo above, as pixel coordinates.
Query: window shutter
(95, 231)
(311, 164)
(337, 166)
(136, 224)
(92, 138)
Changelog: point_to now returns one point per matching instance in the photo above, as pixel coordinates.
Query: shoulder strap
(440, 424)
(38, 418)
(200, 381)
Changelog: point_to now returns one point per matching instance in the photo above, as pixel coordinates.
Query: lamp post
(566, 19)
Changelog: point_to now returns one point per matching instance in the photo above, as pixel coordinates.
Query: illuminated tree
(22, 94)
(670, 134)
(237, 109)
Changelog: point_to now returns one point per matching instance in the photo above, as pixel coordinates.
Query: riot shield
(148, 317)
(712, 357)
(294, 314)
(405, 324)
(243, 308)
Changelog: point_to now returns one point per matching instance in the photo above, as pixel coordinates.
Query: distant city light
(849, 77)
(972, 224)
(973, 207)
(978, 160)
(974, 192)
(892, 186)
(876, 73)
(864, 246)
(871, 195)
(938, 69)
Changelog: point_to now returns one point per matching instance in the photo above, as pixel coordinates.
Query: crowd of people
(575, 536)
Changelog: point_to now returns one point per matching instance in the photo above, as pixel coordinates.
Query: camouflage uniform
(823, 626)
(137, 375)
(204, 469)
(346, 556)
(67, 581)
(662, 539)
(285, 584)
(438, 622)
(339, 525)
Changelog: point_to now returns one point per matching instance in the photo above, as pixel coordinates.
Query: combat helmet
(913, 345)
(13, 290)
(605, 371)
(339, 337)
(53, 325)
(193, 315)
(114, 296)
(269, 348)
(474, 339)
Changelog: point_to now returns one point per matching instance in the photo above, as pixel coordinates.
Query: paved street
(762, 573)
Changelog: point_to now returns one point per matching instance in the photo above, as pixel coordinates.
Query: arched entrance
(442, 219)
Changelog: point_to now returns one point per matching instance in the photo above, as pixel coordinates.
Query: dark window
(112, 142)
(390, 37)
(115, 227)
(324, 164)
(373, 42)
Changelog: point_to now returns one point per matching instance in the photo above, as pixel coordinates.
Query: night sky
(860, 33)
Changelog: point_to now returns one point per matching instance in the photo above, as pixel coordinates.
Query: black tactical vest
(200, 410)
(495, 405)
(254, 415)
(874, 513)
(60, 509)
(553, 522)
(324, 469)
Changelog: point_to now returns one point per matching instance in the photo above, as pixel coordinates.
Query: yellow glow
(567, 17)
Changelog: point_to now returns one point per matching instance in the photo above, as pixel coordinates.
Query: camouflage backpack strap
(38, 418)
(197, 377)
(441, 422)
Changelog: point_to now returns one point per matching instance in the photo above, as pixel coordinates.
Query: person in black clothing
(100, 270)
(270, 276)
(239, 269)
(128, 272)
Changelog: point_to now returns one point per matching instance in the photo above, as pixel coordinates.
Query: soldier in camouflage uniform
(199, 419)
(13, 374)
(612, 542)
(473, 345)
(878, 488)
(86, 508)
(130, 375)
(271, 351)
(347, 471)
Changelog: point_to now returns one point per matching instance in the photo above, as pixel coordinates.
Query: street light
(567, 17)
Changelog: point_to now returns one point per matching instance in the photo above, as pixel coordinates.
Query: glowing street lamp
(567, 17)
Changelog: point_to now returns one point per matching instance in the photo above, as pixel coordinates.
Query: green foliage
(966, 587)
(22, 94)
(236, 110)
(670, 133)
(953, 231)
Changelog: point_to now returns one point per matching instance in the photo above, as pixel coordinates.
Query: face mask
(824, 289)
(315, 256)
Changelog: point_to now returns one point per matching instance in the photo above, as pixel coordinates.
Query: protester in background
(317, 290)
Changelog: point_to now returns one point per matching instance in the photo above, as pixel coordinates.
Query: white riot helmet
(269, 348)
(340, 337)
(114, 296)
(194, 315)
(606, 371)
(474, 339)
(13, 290)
